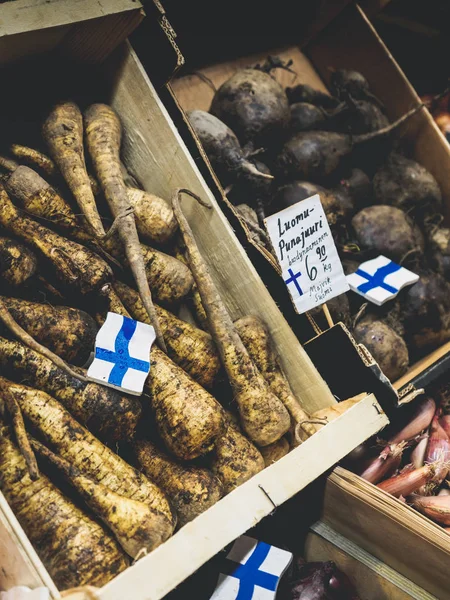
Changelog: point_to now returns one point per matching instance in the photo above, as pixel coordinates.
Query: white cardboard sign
(305, 249)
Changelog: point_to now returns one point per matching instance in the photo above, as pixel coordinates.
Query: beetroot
(358, 187)
(439, 243)
(339, 310)
(321, 581)
(360, 116)
(254, 105)
(387, 230)
(385, 345)
(305, 116)
(305, 93)
(345, 82)
(406, 184)
(222, 148)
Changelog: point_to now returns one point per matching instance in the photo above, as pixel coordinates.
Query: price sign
(307, 255)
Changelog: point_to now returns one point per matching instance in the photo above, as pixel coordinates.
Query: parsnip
(102, 409)
(194, 300)
(60, 430)
(35, 158)
(190, 348)
(192, 490)
(275, 451)
(63, 133)
(263, 415)
(17, 262)
(75, 549)
(155, 220)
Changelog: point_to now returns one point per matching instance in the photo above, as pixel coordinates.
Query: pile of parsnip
(412, 462)
(273, 147)
(76, 240)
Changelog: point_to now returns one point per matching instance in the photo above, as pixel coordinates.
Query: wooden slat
(390, 530)
(155, 575)
(373, 579)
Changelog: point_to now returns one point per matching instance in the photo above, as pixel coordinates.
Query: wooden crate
(349, 41)
(154, 152)
(373, 579)
(390, 530)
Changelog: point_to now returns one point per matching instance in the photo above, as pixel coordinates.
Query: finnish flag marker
(380, 280)
(122, 353)
(252, 571)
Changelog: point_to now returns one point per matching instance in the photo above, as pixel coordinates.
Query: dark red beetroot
(406, 184)
(439, 250)
(254, 105)
(345, 82)
(359, 116)
(339, 310)
(358, 187)
(222, 148)
(425, 313)
(305, 117)
(321, 581)
(385, 345)
(387, 230)
(305, 93)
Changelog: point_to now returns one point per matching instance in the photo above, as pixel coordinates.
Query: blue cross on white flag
(380, 279)
(122, 352)
(252, 571)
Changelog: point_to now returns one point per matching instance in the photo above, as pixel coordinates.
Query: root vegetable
(358, 186)
(155, 221)
(345, 82)
(222, 148)
(103, 137)
(253, 104)
(68, 332)
(194, 300)
(315, 155)
(436, 508)
(405, 184)
(438, 448)
(192, 490)
(385, 464)
(234, 458)
(418, 421)
(189, 347)
(59, 430)
(256, 338)
(35, 158)
(275, 451)
(263, 415)
(101, 408)
(77, 267)
(132, 522)
(63, 133)
(439, 241)
(410, 479)
(387, 230)
(305, 93)
(169, 278)
(306, 117)
(75, 549)
(418, 454)
(385, 345)
(339, 308)
(358, 117)
(17, 262)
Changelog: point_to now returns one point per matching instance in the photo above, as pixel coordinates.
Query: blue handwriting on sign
(250, 575)
(377, 279)
(121, 356)
(293, 279)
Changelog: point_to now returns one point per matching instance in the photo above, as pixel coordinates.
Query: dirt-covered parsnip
(103, 136)
(235, 459)
(76, 266)
(263, 415)
(256, 338)
(155, 220)
(169, 278)
(192, 490)
(63, 133)
(131, 521)
(102, 409)
(58, 429)
(34, 158)
(275, 451)
(68, 332)
(194, 300)
(75, 549)
(17, 262)
(191, 348)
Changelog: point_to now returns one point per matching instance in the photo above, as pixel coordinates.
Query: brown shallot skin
(385, 464)
(418, 454)
(436, 508)
(410, 479)
(439, 443)
(420, 421)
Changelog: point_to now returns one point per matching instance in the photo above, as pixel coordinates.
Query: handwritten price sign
(305, 249)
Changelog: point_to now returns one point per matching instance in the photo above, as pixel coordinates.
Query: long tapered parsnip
(35, 158)
(103, 136)
(194, 300)
(155, 220)
(263, 415)
(101, 408)
(131, 521)
(169, 278)
(17, 262)
(63, 133)
(275, 451)
(256, 338)
(192, 490)
(191, 348)
(58, 429)
(74, 548)
(234, 458)
(68, 332)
